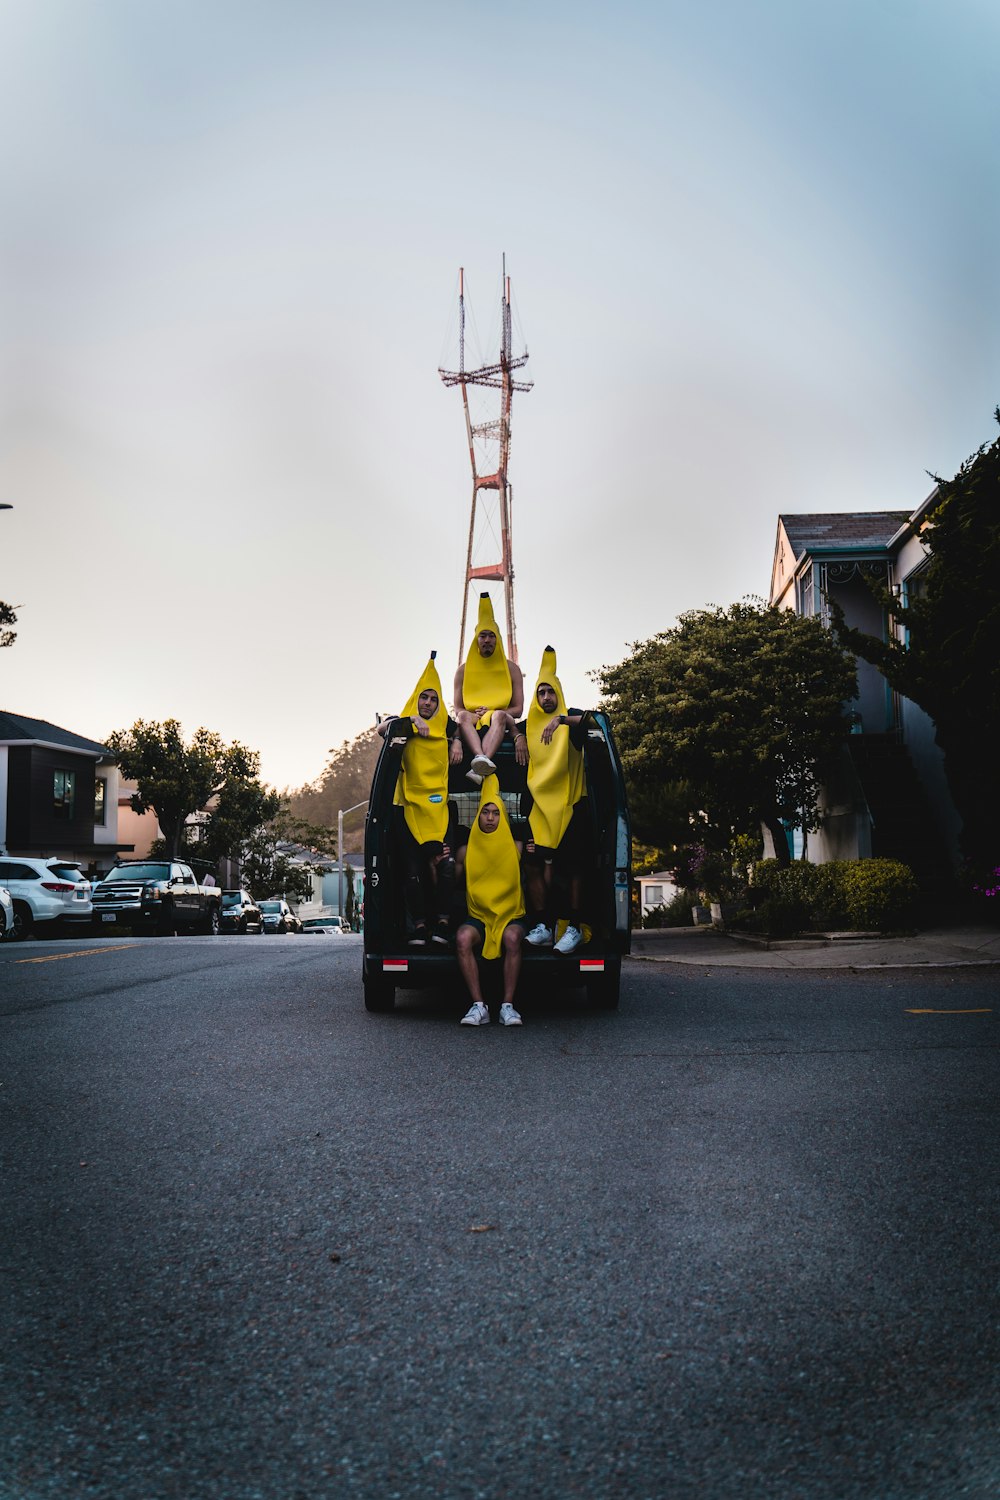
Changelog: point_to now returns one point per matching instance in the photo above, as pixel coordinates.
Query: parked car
(46, 893)
(323, 925)
(160, 895)
(240, 912)
(279, 917)
(6, 914)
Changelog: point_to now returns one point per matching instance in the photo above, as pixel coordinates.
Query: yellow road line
(987, 1011)
(51, 958)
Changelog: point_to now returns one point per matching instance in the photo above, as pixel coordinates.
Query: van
(606, 909)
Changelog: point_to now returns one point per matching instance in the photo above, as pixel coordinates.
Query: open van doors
(389, 964)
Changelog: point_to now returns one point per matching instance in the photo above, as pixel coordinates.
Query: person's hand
(550, 729)
(480, 711)
(421, 726)
(521, 749)
(455, 751)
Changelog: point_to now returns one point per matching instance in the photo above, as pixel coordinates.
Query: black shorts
(571, 849)
(480, 927)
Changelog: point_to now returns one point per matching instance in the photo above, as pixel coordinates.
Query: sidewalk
(946, 947)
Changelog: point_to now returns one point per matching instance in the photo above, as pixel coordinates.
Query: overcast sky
(754, 252)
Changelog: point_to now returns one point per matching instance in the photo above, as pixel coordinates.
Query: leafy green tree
(949, 663)
(266, 871)
(7, 619)
(176, 779)
(730, 719)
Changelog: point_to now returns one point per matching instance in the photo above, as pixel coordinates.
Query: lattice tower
(489, 454)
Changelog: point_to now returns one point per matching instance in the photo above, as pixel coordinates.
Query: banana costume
(493, 873)
(555, 770)
(422, 788)
(486, 681)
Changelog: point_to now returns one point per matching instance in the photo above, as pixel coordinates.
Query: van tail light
(56, 885)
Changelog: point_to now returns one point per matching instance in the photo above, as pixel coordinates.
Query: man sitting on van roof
(489, 694)
(552, 749)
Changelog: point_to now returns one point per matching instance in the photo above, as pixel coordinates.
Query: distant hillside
(345, 781)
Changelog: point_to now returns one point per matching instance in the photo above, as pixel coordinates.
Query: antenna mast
(492, 435)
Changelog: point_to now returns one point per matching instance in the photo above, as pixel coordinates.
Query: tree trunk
(779, 838)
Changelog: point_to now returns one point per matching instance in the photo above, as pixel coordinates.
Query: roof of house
(15, 727)
(852, 530)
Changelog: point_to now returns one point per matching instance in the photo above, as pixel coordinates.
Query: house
(655, 890)
(889, 795)
(324, 872)
(58, 794)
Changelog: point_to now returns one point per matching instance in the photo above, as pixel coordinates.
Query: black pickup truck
(160, 895)
(390, 964)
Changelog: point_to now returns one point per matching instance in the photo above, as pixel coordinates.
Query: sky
(753, 251)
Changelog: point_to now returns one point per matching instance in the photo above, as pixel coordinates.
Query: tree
(7, 618)
(266, 871)
(949, 662)
(730, 719)
(176, 779)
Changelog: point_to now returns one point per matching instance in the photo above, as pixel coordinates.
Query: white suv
(45, 892)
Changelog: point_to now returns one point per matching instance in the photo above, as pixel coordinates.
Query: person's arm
(459, 683)
(454, 744)
(516, 705)
(574, 719)
(520, 743)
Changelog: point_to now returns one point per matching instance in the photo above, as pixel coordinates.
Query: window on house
(63, 794)
(101, 800)
(654, 895)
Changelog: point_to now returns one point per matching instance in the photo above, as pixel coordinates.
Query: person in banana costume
(422, 793)
(489, 694)
(495, 925)
(551, 745)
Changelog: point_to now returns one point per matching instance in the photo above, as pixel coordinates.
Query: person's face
(489, 817)
(427, 703)
(487, 641)
(548, 700)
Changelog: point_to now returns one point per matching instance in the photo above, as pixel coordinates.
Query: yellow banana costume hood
(493, 873)
(486, 682)
(422, 788)
(555, 770)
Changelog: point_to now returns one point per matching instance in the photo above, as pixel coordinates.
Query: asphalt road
(738, 1239)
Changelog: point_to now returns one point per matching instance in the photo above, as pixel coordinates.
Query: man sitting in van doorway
(422, 793)
(494, 927)
(489, 694)
(551, 745)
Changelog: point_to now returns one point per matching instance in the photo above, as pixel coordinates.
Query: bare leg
(467, 945)
(537, 888)
(513, 940)
(493, 738)
(470, 734)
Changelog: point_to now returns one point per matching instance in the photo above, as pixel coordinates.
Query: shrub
(880, 894)
(863, 894)
(676, 913)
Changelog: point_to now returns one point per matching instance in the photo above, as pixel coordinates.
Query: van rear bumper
(410, 970)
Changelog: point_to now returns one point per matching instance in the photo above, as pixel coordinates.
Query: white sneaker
(483, 766)
(474, 777)
(540, 936)
(476, 1015)
(570, 940)
(509, 1016)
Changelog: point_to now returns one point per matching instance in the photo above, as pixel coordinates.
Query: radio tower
(491, 511)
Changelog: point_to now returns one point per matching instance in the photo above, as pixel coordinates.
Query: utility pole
(489, 453)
